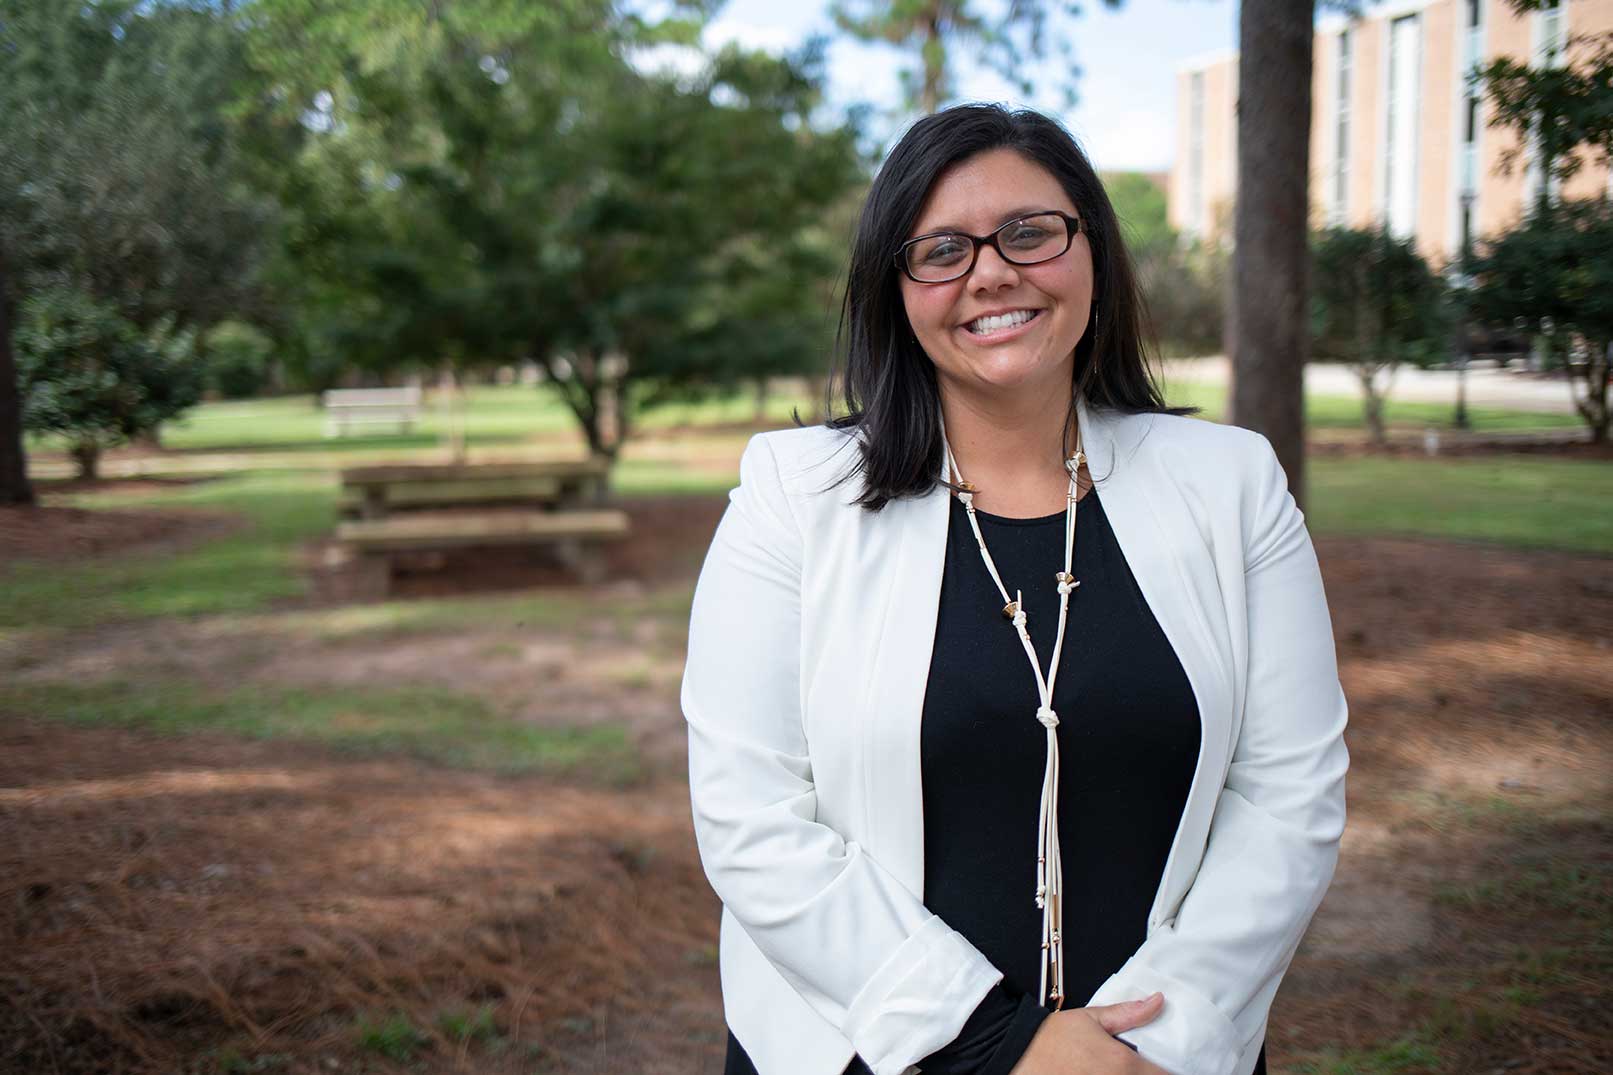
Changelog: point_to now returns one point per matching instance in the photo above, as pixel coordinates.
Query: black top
(1128, 738)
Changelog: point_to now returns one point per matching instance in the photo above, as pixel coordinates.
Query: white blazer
(809, 650)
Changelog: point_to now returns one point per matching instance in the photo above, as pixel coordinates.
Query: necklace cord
(1049, 863)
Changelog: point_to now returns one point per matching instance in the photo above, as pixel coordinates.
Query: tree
(1563, 109)
(14, 485)
(91, 376)
(1185, 286)
(512, 188)
(1267, 322)
(1553, 274)
(1140, 205)
(238, 358)
(1375, 304)
(931, 28)
(117, 172)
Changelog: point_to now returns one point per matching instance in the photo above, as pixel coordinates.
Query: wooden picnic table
(392, 511)
(373, 492)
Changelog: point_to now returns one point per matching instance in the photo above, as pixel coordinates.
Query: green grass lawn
(1345, 412)
(1544, 503)
(509, 415)
(253, 568)
(444, 726)
(1535, 503)
(495, 416)
(246, 570)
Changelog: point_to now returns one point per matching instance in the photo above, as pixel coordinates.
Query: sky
(1125, 116)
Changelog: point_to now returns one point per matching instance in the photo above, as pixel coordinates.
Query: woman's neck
(1013, 451)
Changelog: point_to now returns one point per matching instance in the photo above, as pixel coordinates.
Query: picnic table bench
(407, 511)
(374, 492)
(348, 407)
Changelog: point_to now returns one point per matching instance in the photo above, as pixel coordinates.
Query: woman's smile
(999, 327)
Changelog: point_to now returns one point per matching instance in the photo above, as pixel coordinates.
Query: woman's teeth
(986, 325)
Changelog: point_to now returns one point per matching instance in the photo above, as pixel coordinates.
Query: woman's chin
(1010, 372)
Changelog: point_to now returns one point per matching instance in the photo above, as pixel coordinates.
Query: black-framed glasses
(948, 255)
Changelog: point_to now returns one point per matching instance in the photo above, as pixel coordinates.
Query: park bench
(349, 407)
(392, 513)
(572, 535)
(374, 492)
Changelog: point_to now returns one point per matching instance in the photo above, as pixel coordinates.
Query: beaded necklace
(1049, 866)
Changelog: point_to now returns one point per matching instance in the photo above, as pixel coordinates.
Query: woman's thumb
(1127, 1014)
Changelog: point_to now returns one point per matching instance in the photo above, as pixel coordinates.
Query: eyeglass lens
(1026, 241)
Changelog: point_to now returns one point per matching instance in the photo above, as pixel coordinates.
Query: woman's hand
(1081, 1041)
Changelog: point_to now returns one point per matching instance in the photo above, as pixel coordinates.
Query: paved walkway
(1485, 387)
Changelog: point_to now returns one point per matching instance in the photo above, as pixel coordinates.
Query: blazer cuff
(1190, 1036)
(919, 999)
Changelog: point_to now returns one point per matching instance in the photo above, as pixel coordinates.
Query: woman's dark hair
(888, 382)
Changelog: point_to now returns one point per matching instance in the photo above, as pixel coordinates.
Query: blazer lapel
(898, 676)
(1158, 536)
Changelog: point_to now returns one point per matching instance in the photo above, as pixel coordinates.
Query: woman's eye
(943, 252)
(1027, 235)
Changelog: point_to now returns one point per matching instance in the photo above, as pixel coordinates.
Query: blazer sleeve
(852, 940)
(1274, 836)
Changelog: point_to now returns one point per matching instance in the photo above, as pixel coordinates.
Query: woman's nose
(992, 270)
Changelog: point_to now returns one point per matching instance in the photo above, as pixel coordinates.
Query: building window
(1341, 132)
(1475, 11)
(1548, 52)
(1400, 153)
(1195, 153)
(1551, 18)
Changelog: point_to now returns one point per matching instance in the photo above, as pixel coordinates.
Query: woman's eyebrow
(1024, 210)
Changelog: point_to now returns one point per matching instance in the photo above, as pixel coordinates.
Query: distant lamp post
(1464, 293)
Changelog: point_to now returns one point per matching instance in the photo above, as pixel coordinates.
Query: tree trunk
(1461, 420)
(1593, 406)
(1372, 405)
(1270, 263)
(580, 388)
(14, 485)
(932, 53)
(759, 415)
(87, 454)
(453, 412)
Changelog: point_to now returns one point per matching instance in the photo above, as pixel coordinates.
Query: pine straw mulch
(205, 904)
(170, 903)
(1472, 910)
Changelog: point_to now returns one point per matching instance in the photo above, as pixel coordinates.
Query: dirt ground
(57, 534)
(206, 904)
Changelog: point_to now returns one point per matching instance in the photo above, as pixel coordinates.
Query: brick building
(1396, 133)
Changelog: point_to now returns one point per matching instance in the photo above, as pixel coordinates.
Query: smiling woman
(930, 857)
(1013, 288)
